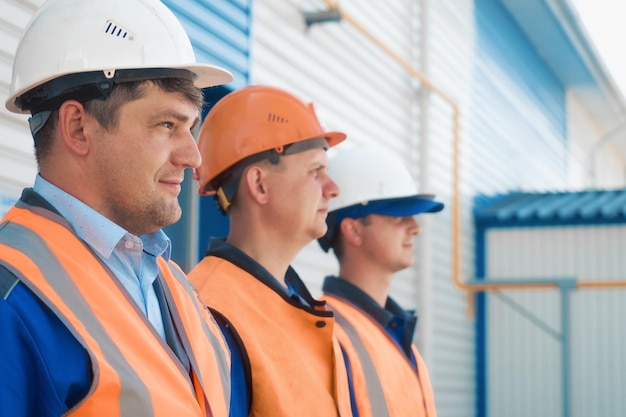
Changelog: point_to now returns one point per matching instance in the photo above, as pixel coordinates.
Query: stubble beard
(147, 218)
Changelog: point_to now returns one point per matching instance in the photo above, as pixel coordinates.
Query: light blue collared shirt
(132, 259)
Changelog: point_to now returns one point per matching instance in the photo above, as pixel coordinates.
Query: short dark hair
(106, 111)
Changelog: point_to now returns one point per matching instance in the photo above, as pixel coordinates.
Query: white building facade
(533, 103)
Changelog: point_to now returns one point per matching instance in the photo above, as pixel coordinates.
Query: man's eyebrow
(181, 117)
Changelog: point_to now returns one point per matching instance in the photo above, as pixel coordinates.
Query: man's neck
(269, 251)
(368, 278)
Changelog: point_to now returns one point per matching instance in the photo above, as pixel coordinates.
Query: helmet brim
(334, 138)
(207, 75)
(204, 75)
(396, 207)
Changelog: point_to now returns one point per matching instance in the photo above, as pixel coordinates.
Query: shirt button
(320, 324)
(128, 244)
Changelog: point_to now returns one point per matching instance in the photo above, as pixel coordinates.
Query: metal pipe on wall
(425, 284)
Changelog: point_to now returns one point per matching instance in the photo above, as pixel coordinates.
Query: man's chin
(171, 215)
(408, 263)
(319, 231)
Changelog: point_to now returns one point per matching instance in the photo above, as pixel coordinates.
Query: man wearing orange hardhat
(264, 159)
(95, 319)
(371, 228)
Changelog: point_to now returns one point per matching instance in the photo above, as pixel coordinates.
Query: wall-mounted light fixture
(322, 16)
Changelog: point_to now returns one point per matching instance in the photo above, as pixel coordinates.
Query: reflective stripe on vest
(127, 355)
(7, 283)
(382, 374)
(214, 336)
(374, 387)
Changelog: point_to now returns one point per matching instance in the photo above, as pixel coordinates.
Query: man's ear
(255, 180)
(351, 230)
(72, 117)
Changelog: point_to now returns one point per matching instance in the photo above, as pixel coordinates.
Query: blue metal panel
(548, 35)
(219, 31)
(481, 325)
(519, 125)
(212, 221)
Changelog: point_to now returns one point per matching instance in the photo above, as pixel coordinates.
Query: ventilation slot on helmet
(116, 30)
(276, 119)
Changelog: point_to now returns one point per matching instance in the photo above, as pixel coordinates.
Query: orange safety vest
(295, 361)
(134, 371)
(385, 382)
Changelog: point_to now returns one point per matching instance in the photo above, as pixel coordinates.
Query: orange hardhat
(250, 121)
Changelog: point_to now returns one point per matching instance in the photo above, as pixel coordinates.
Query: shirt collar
(296, 289)
(96, 230)
(343, 289)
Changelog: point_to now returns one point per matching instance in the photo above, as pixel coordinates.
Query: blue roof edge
(524, 209)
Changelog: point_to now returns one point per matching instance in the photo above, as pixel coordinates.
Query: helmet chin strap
(37, 121)
(226, 193)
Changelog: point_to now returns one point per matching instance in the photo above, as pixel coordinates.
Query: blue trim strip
(481, 324)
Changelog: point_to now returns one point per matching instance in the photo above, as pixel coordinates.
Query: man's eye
(167, 125)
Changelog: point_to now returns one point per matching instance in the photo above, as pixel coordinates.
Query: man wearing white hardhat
(95, 319)
(371, 228)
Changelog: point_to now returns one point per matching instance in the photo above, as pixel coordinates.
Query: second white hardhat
(372, 182)
(95, 40)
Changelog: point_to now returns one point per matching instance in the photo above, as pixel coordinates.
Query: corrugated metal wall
(524, 346)
(17, 163)
(593, 161)
(359, 89)
(219, 32)
(451, 48)
(525, 146)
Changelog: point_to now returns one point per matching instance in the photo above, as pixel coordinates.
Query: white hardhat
(372, 182)
(77, 43)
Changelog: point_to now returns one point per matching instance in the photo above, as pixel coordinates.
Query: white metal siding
(17, 163)
(360, 90)
(450, 43)
(524, 367)
(593, 161)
